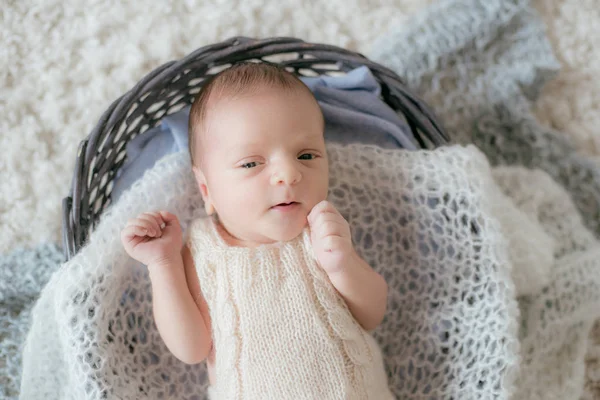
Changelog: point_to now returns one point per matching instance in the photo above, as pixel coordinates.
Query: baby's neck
(230, 239)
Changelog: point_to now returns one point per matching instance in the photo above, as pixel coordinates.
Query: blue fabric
(351, 106)
(354, 112)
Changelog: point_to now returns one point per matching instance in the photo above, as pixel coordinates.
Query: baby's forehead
(243, 119)
(226, 102)
(232, 92)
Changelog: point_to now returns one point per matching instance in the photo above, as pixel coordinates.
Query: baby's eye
(250, 165)
(306, 156)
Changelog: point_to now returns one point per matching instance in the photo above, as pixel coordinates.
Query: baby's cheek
(244, 203)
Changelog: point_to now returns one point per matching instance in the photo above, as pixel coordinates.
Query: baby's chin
(287, 236)
(266, 231)
(284, 234)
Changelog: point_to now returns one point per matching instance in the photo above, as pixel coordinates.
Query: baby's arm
(363, 289)
(180, 312)
(181, 317)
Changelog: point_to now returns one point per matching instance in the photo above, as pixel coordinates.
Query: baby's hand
(330, 237)
(153, 237)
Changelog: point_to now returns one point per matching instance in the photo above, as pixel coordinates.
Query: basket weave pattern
(172, 86)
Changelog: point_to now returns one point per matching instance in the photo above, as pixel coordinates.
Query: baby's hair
(239, 79)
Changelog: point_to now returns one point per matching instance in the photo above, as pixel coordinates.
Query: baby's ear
(201, 181)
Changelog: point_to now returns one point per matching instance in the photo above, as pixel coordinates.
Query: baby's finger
(170, 219)
(146, 225)
(131, 231)
(332, 228)
(159, 219)
(325, 217)
(317, 209)
(154, 224)
(333, 243)
(331, 210)
(154, 217)
(322, 208)
(136, 222)
(329, 218)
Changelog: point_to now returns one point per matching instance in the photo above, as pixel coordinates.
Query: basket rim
(76, 207)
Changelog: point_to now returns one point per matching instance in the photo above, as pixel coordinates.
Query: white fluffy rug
(63, 62)
(571, 103)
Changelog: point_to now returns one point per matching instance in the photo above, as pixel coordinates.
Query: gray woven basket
(174, 85)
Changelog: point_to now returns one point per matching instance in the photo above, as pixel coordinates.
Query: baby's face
(264, 164)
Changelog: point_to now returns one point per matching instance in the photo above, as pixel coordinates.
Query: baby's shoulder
(199, 227)
(196, 233)
(199, 222)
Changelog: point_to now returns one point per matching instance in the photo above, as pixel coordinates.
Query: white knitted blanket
(435, 224)
(482, 65)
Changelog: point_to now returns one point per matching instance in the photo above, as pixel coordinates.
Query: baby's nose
(285, 174)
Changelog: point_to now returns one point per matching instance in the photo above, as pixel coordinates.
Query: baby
(269, 288)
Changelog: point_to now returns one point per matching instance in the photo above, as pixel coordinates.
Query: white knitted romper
(280, 329)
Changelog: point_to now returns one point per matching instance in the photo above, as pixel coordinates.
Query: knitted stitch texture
(481, 65)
